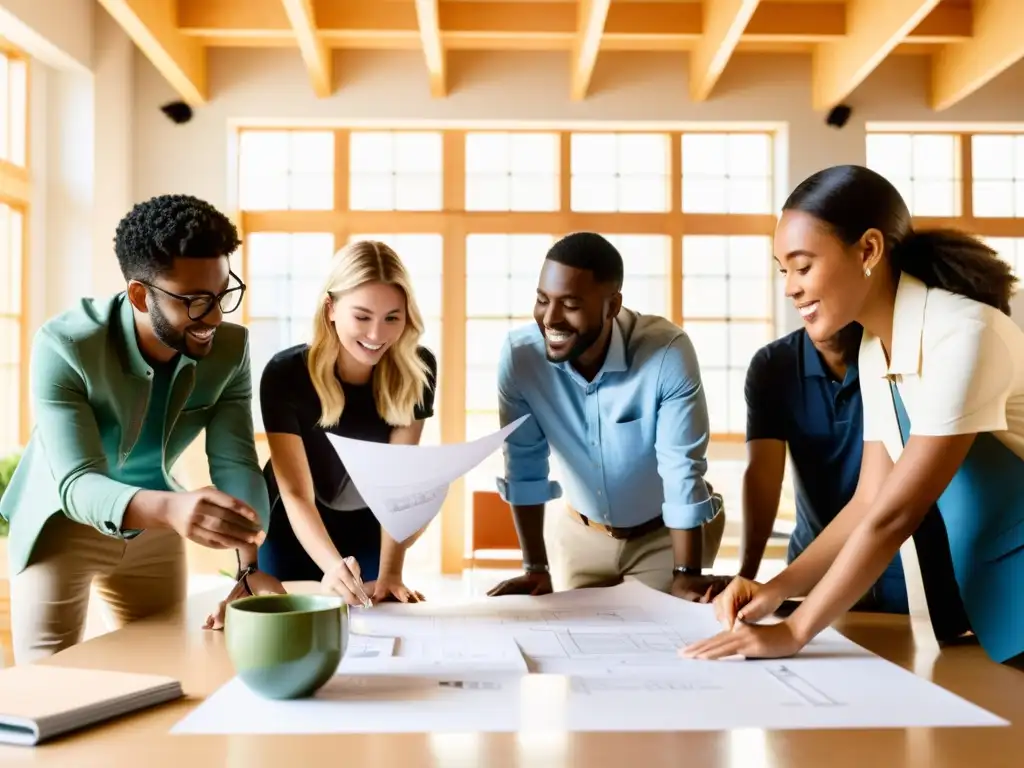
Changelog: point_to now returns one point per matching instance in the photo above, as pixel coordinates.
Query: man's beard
(583, 343)
(168, 335)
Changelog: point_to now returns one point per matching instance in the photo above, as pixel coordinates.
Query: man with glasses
(120, 387)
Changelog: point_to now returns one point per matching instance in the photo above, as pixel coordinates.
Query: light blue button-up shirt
(632, 442)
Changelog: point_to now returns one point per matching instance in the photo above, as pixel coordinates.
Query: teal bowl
(286, 646)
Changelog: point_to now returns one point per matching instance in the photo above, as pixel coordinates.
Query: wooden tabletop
(176, 645)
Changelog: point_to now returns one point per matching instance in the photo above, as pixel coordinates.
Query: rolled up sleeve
(526, 451)
(681, 438)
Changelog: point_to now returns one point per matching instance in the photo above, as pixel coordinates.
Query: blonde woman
(363, 376)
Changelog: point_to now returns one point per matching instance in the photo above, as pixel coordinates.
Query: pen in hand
(358, 582)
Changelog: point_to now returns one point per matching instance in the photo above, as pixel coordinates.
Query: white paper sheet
(601, 660)
(405, 485)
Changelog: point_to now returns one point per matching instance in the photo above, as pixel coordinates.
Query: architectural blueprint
(586, 660)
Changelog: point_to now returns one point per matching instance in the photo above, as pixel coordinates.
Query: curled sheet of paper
(405, 485)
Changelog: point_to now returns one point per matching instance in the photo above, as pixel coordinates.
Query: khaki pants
(585, 557)
(50, 598)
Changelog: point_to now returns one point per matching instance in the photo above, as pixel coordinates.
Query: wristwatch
(536, 567)
(685, 570)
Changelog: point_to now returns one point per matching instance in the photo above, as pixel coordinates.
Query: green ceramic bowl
(286, 646)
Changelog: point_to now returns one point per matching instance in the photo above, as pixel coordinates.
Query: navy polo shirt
(793, 397)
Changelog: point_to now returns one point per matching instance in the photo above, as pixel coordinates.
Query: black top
(291, 406)
(793, 397)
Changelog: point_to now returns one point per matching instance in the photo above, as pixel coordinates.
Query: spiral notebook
(39, 702)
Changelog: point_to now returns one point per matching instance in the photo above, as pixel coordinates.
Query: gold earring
(867, 272)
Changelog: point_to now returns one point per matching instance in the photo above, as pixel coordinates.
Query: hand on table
(698, 589)
(744, 601)
(345, 581)
(391, 589)
(527, 584)
(255, 583)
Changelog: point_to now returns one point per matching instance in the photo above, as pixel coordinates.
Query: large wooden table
(175, 645)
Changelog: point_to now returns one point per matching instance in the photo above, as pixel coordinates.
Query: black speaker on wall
(837, 116)
(177, 111)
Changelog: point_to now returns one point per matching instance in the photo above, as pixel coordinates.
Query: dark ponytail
(852, 199)
(959, 263)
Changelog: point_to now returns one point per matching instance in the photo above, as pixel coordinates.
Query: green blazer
(90, 390)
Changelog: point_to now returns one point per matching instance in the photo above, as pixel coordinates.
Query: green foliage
(7, 466)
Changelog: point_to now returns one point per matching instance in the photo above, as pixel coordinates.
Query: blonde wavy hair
(401, 375)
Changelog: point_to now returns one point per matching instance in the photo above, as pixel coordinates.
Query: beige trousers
(580, 556)
(50, 598)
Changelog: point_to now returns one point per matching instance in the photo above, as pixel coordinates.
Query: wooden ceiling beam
(433, 49)
(152, 26)
(724, 22)
(873, 29)
(317, 57)
(516, 26)
(590, 22)
(998, 43)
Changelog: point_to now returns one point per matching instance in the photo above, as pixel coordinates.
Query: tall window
(472, 214)
(14, 180)
(973, 182)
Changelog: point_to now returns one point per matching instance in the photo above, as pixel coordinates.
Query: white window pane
(371, 152)
(310, 253)
(1018, 157)
(481, 389)
(646, 294)
(705, 154)
(1018, 189)
(935, 156)
(705, 195)
(10, 385)
(264, 296)
(992, 156)
(418, 153)
(750, 255)
(260, 192)
(421, 192)
(17, 225)
(267, 253)
(371, 192)
(487, 192)
(304, 295)
(749, 297)
(312, 152)
(487, 153)
(431, 339)
(744, 340)
(593, 153)
(594, 193)
(484, 340)
(716, 393)
(264, 152)
(934, 198)
(905, 186)
(527, 253)
(749, 155)
(428, 295)
(993, 198)
(312, 191)
(737, 401)
(643, 194)
(522, 296)
(890, 154)
(10, 342)
(489, 297)
(534, 193)
(640, 153)
(487, 255)
(643, 254)
(710, 340)
(534, 153)
(705, 296)
(480, 425)
(705, 255)
(750, 196)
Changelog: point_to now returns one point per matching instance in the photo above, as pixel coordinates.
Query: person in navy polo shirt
(805, 395)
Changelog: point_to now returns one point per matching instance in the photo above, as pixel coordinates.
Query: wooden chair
(494, 542)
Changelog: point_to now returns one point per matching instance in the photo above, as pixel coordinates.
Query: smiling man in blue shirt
(617, 397)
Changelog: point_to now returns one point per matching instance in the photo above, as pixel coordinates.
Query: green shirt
(144, 466)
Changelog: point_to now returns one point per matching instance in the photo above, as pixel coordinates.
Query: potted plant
(7, 467)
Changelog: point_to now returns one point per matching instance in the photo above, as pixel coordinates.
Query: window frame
(454, 223)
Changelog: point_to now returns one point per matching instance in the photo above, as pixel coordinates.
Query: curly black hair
(166, 227)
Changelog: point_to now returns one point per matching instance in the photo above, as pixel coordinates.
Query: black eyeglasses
(201, 303)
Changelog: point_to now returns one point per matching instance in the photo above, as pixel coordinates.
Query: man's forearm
(147, 509)
(688, 546)
(758, 522)
(529, 521)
